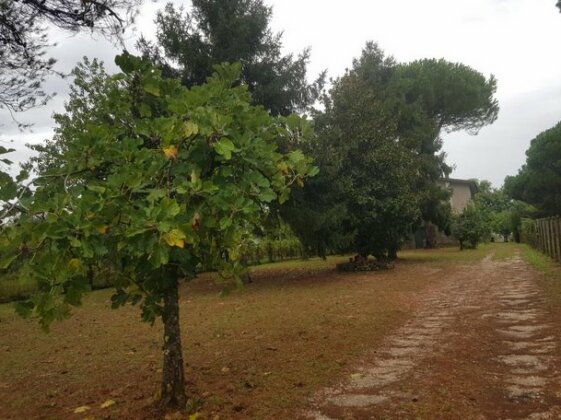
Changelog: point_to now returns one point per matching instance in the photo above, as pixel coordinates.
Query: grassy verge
(551, 270)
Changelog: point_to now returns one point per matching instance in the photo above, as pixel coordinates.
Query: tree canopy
(538, 182)
(23, 58)
(190, 43)
(154, 180)
(378, 146)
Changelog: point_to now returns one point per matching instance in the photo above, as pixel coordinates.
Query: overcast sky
(516, 40)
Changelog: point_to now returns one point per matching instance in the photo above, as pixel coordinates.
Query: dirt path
(482, 345)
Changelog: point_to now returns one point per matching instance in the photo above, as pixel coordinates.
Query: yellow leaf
(194, 416)
(170, 152)
(175, 238)
(108, 404)
(190, 129)
(102, 229)
(90, 216)
(81, 409)
(75, 263)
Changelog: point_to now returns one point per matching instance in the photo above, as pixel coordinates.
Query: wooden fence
(544, 234)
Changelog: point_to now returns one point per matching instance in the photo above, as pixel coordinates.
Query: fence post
(542, 236)
(547, 238)
(549, 241)
(539, 234)
(558, 239)
(555, 238)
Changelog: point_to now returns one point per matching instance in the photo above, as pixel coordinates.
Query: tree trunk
(392, 253)
(173, 381)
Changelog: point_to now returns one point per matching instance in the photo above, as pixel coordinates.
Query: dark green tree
(190, 43)
(431, 96)
(381, 112)
(538, 182)
(363, 198)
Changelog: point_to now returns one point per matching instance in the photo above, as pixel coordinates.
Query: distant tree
(190, 43)
(432, 96)
(538, 182)
(23, 24)
(503, 224)
(363, 199)
(160, 181)
(470, 227)
(381, 112)
(559, 5)
(503, 213)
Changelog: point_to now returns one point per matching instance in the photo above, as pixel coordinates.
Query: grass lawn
(258, 353)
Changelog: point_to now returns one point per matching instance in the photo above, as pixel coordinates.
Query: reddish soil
(482, 344)
(446, 335)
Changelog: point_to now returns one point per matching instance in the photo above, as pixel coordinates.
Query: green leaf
(225, 223)
(96, 188)
(267, 195)
(6, 260)
(313, 171)
(190, 129)
(151, 87)
(224, 147)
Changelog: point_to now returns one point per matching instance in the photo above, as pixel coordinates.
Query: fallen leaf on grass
(108, 404)
(82, 409)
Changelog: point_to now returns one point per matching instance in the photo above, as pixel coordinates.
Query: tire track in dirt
(482, 335)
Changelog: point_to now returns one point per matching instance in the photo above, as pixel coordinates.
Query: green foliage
(454, 96)
(190, 43)
(502, 212)
(154, 180)
(538, 182)
(379, 151)
(471, 226)
(275, 242)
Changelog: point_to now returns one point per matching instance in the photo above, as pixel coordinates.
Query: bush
(470, 227)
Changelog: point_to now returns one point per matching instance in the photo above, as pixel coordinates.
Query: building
(463, 192)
